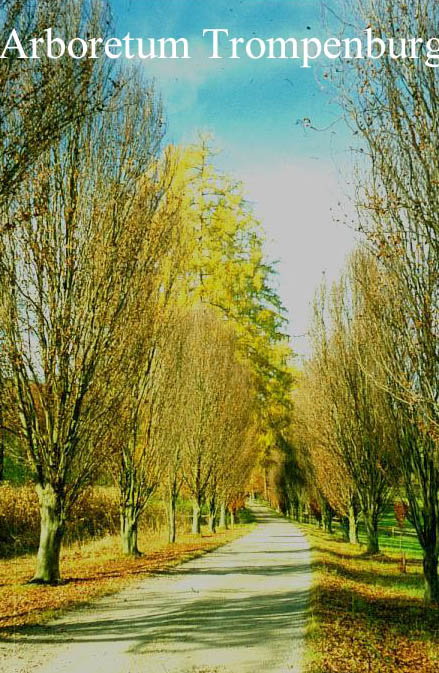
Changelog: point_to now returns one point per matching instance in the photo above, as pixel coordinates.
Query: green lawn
(392, 539)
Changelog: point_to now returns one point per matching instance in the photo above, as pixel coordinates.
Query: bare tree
(394, 106)
(406, 354)
(209, 369)
(79, 236)
(40, 98)
(144, 429)
(358, 410)
(316, 439)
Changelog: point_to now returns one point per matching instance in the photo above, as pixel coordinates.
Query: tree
(79, 236)
(393, 105)
(143, 429)
(210, 375)
(41, 98)
(316, 440)
(358, 409)
(406, 353)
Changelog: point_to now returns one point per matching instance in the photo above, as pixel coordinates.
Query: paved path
(241, 609)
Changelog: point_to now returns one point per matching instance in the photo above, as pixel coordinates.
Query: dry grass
(91, 570)
(96, 513)
(368, 616)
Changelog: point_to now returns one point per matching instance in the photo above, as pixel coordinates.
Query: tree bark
(172, 508)
(371, 523)
(223, 516)
(196, 516)
(128, 531)
(2, 456)
(353, 526)
(212, 515)
(327, 516)
(232, 518)
(431, 580)
(51, 535)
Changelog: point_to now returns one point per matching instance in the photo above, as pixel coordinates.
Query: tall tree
(146, 351)
(394, 106)
(316, 438)
(358, 409)
(81, 225)
(40, 98)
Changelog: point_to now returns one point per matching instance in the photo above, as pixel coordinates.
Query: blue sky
(293, 175)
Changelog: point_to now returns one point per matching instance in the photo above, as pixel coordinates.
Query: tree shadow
(226, 620)
(229, 608)
(373, 577)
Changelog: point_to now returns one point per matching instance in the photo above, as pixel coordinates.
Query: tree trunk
(51, 535)
(353, 526)
(327, 515)
(431, 581)
(371, 523)
(172, 508)
(212, 515)
(2, 446)
(128, 531)
(223, 516)
(196, 516)
(232, 518)
(2, 456)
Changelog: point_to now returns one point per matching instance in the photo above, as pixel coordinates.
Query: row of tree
(368, 406)
(141, 335)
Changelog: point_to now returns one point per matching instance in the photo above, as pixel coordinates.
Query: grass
(367, 615)
(91, 570)
(392, 538)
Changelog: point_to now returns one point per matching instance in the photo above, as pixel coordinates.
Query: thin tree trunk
(172, 508)
(196, 516)
(327, 516)
(128, 531)
(431, 580)
(353, 525)
(212, 515)
(2, 456)
(51, 535)
(223, 516)
(2, 446)
(232, 518)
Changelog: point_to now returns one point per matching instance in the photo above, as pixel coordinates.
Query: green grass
(392, 539)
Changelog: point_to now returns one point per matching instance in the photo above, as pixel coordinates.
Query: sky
(297, 177)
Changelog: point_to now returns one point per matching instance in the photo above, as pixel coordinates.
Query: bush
(96, 513)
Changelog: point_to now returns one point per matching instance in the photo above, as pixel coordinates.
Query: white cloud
(297, 203)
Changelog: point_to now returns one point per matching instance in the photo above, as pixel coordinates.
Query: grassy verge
(93, 569)
(367, 615)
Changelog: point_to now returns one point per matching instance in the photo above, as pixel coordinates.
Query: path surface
(241, 609)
